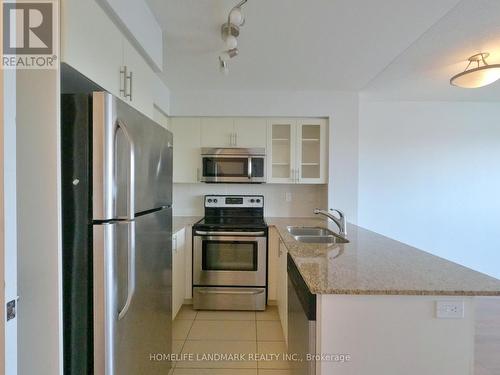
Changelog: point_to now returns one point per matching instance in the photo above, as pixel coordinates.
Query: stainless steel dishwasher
(301, 322)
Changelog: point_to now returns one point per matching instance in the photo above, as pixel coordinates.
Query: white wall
(394, 335)
(188, 198)
(10, 219)
(38, 213)
(340, 107)
(429, 176)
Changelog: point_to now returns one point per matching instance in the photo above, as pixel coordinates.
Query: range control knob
(209, 200)
(252, 200)
(258, 201)
(215, 200)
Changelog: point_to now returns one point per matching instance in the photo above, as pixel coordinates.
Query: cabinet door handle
(126, 77)
(197, 174)
(131, 80)
(236, 139)
(123, 81)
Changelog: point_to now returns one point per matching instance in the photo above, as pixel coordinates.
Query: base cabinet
(282, 289)
(178, 270)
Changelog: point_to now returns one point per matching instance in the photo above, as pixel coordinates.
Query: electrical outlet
(288, 197)
(450, 309)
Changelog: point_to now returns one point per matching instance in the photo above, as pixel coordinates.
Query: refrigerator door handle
(104, 298)
(131, 271)
(131, 179)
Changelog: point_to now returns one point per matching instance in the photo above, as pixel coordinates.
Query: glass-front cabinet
(281, 151)
(296, 151)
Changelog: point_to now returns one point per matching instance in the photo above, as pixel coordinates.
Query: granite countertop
(179, 222)
(374, 264)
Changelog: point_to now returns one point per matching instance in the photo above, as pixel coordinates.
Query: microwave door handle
(250, 168)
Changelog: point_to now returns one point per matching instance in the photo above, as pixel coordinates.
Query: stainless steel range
(230, 254)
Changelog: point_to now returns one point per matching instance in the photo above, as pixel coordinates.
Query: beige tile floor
(236, 332)
(260, 332)
(487, 348)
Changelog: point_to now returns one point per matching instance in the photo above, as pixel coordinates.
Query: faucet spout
(340, 221)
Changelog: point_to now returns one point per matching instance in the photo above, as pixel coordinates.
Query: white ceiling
(300, 44)
(422, 72)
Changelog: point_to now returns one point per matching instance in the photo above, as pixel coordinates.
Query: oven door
(229, 260)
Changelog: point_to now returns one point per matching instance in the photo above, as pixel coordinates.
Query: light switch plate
(450, 309)
(288, 197)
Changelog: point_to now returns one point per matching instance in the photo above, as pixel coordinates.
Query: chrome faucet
(341, 222)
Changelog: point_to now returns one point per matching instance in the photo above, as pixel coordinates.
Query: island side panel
(394, 335)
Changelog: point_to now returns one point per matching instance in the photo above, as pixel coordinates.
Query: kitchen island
(377, 303)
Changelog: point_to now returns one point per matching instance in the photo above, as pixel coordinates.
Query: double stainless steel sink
(316, 235)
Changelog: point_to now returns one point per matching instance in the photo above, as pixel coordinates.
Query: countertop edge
(380, 292)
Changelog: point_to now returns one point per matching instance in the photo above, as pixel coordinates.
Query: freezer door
(132, 160)
(133, 295)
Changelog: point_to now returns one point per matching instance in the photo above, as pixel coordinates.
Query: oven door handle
(203, 233)
(250, 292)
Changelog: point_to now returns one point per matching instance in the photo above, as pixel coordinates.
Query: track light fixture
(230, 30)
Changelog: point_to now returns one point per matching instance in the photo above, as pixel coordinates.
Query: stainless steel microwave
(233, 165)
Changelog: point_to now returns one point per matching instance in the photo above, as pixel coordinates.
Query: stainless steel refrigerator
(117, 237)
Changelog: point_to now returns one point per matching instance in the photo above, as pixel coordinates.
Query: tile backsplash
(188, 198)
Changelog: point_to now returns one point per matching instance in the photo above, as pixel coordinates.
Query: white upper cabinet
(187, 159)
(311, 151)
(250, 132)
(91, 43)
(246, 132)
(217, 132)
(297, 151)
(296, 148)
(281, 151)
(139, 80)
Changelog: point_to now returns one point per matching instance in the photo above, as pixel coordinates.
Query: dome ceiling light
(230, 30)
(479, 76)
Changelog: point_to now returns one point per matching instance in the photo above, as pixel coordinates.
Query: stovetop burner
(233, 212)
(232, 222)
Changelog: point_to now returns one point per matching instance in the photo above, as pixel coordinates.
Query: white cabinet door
(91, 43)
(273, 264)
(250, 132)
(187, 159)
(283, 289)
(178, 271)
(311, 159)
(217, 132)
(161, 118)
(141, 83)
(281, 146)
(188, 252)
